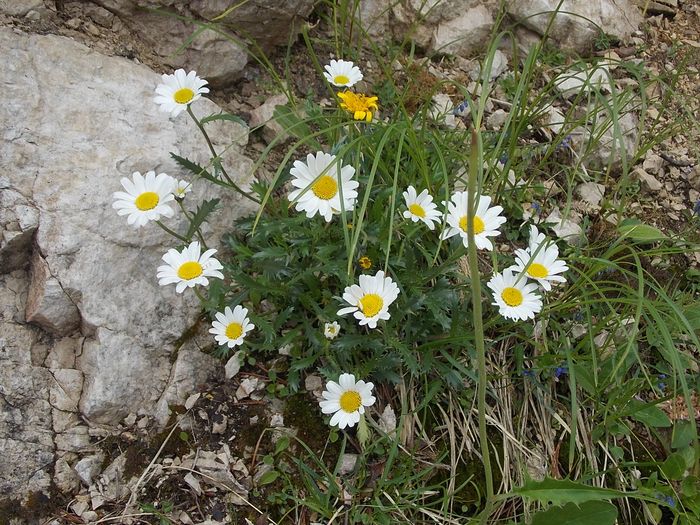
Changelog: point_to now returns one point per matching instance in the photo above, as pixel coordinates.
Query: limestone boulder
(577, 24)
(80, 122)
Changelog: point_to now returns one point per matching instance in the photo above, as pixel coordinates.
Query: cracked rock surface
(87, 335)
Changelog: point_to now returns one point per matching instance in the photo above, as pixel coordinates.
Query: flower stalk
(478, 321)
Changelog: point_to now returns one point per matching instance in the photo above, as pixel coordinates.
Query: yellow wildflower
(359, 105)
(365, 262)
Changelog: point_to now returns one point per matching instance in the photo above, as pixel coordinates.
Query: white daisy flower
(146, 198)
(515, 299)
(231, 327)
(179, 90)
(331, 330)
(181, 188)
(371, 299)
(540, 261)
(188, 268)
(342, 73)
(319, 177)
(486, 220)
(421, 207)
(346, 400)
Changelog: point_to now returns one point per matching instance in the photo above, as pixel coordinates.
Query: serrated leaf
(641, 232)
(363, 432)
(223, 116)
(560, 491)
(269, 477)
(197, 170)
(589, 513)
(201, 215)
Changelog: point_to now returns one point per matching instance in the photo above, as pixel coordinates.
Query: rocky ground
(90, 450)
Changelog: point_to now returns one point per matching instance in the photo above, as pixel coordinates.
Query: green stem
(189, 218)
(478, 322)
(171, 232)
(218, 159)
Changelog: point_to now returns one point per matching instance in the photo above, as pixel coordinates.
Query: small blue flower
(536, 207)
(696, 208)
(503, 159)
(560, 371)
(461, 108)
(527, 372)
(578, 316)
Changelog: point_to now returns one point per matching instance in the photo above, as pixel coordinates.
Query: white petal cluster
(146, 198)
(179, 90)
(420, 207)
(320, 182)
(189, 267)
(487, 220)
(371, 299)
(342, 73)
(515, 298)
(346, 400)
(540, 261)
(231, 326)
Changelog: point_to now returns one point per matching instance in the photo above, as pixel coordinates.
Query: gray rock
(263, 116)
(64, 391)
(578, 24)
(591, 193)
(466, 34)
(89, 467)
(605, 146)
(130, 322)
(496, 119)
(649, 182)
(574, 83)
(20, 7)
(567, 228)
(48, 304)
(64, 476)
(233, 365)
(76, 439)
(19, 220)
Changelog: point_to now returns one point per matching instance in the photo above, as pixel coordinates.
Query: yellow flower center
(183, 95)
(512, 296)
(478, 224)
(359, 105)
(234, 330)
(417, 210)
(537, 271)
(365, 262)
(350, 401)
(341, 79)
(325, 187)
(189, 270)
(371, 304)
(147, 200)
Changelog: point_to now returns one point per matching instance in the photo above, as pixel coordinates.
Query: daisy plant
(231, 326)
(342, 73)
(145, 198)
(420, 207)
(540, 261)
(370, 299)
(360, 106)
(346, 400)
(486, 220)
(189, 267)
(179, 90)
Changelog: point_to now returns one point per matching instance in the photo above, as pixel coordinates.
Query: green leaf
(269, 477)
(292, 123)
(224, 116)
(200, 216)
(674, 466)
(363, 432)
(197, 170)
(683, 434)
(282, 444)
(640, 232)
(589, 513)
(649, 414)
(560, 491)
